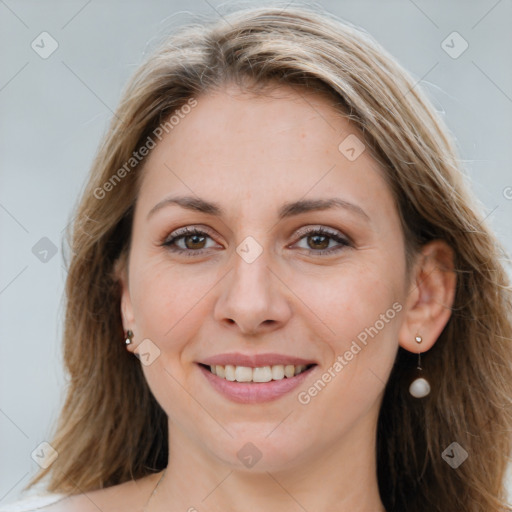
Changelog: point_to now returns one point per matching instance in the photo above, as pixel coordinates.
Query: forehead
(284, 142)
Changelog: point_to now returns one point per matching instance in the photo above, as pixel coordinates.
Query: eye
(190, 241)
(319, 239)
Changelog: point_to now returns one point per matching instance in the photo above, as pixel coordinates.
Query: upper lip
(255, 360)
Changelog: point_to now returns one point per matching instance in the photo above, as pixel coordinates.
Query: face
(294, 255)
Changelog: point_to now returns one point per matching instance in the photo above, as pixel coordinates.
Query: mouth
(255, 379)
(258, 374)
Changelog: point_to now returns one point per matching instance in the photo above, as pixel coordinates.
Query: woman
(281, 294)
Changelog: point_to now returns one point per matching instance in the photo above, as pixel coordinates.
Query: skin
(250, 155)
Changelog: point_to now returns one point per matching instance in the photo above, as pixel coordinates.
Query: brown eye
(189, 241)
(194, 241)
(319, 239)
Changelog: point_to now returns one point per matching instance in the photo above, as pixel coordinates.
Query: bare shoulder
(129, 496)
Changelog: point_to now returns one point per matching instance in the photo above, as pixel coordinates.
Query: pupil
(320, 241)
(195, 242)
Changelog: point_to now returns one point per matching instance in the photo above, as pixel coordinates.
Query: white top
(32, 503)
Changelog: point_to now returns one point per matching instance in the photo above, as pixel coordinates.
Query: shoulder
(129, 496)
(32, 503)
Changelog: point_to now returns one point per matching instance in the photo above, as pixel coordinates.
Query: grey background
(55, 110)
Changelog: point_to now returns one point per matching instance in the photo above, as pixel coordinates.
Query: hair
(111, 429)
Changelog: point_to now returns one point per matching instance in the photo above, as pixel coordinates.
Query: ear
(121, 276)
(430, 298)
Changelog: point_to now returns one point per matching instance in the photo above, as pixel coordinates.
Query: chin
(257, 451)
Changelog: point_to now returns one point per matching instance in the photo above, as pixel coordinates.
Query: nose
(253, 299)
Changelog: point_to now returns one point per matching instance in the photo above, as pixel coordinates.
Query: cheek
(168, 299)
(359, 306)
(352, 297)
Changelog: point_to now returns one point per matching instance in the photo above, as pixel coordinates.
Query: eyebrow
(287, 210)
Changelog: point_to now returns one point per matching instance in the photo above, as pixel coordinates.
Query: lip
(255, 360)
(255, 392)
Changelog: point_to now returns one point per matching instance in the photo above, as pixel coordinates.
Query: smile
(251, 379)
(259, 374)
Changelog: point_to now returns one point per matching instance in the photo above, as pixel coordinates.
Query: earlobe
(125, 302)
(430, 298)
(128, 318)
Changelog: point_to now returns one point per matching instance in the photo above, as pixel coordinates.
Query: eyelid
(340, 238)
(301, 232)
(188, 230)
(343, 242)
(306, 230)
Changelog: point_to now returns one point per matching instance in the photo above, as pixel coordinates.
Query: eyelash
(185, 232)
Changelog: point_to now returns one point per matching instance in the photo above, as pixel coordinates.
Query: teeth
(263, 374)
(229, 372)
(278, 372)
(299, 369)
(289, 370)
(260, 374)
(243, 374)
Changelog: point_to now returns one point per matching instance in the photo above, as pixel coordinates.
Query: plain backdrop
(55, 110)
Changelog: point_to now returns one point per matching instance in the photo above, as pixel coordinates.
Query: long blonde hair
(111, 429)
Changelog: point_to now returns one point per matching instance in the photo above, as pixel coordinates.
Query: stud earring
(420, 386)
(129, 336)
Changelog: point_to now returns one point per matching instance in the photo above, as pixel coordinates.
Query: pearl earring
(129, 336)
(419, 387)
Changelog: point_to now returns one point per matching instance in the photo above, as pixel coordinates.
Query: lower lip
(254, 392)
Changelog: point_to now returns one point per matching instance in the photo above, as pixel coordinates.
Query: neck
(342, 477)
